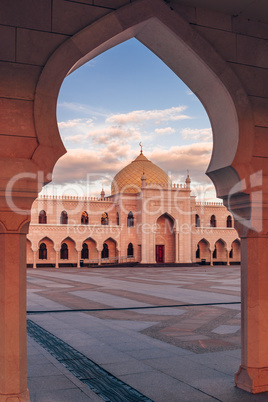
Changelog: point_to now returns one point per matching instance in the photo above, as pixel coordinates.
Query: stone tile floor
(187, 353)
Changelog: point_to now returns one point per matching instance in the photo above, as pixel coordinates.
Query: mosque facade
(146, 220)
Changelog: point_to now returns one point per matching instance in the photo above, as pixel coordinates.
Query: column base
(24, 397)
(253, 380)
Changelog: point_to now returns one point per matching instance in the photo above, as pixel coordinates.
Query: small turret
(102, 194)
(143, 180)
(188, 180)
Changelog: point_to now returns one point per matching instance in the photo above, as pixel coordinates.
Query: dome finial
(140, 146)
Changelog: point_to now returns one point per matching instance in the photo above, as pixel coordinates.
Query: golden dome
(128, 180)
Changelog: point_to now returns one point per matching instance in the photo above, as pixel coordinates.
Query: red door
(159, 251)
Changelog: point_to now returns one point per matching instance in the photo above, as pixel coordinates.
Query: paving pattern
(185, 353)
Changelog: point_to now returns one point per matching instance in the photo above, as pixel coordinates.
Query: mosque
(146, 220)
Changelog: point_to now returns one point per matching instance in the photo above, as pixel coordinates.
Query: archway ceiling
(252, 9)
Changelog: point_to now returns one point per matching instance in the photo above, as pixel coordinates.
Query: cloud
(113, 133)
(95, 164)
(140, 116)
(83, 109)
(166, 130)
(79, 165)
(75, 138)
(203, 134)
(179, 159)
(69, 123)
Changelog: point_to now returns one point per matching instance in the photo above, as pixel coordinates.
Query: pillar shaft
(34, 258)
(176, 247)
(227, 256)
(253, 372)
(13, 357)
(78, 258)
(57, 259)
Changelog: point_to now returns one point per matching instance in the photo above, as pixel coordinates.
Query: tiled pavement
(186, 353)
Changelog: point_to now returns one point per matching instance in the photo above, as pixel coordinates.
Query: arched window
(42, 217)
(64, 252)
(197, 222)
(130, 220)
(84, 251)
(130, 250)
(104, 219)
(212, 221)
(231, 253)
(105, 251)
(197, 253)
(64, 218)
(215, 253)
(229, 222)
(84, 218)
(42, 251)
(117, 219)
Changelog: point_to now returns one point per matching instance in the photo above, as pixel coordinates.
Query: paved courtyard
(168, 333)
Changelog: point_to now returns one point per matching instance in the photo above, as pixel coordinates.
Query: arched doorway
(203, 252)
(165, 240)
(109, 249)
(46, 253)
(235, 252)
(92, 253)
(220, 252)
(68, 253)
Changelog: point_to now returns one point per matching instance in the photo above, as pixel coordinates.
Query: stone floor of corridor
(166, 353)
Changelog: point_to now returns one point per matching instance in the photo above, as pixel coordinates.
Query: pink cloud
(140, 116)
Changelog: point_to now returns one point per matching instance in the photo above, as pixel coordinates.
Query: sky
(125, 96)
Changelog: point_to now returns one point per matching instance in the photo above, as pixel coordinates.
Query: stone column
(99, 263)
(118, 255)
(57, 259)
(211, 258)
(34, 258)
(13, 356)
(227, 256)
(176, 247)
(251, 221)
(252, 375)
(78, 258)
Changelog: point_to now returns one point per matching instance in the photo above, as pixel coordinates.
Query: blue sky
(124, 96)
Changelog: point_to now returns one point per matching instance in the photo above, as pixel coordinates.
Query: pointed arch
(42, 218)
(235, 252)
(91, 246)
(203, 251)
(68, 250)
(105, 251)
(64, 251)
(111, 247)
(84, 251)
(84, 218)
(213, 222)
(104, 218)
(229, 222)
(169, 38)
(64, 218)
(43, 251)
(130, 250)
(130, 220)
(165, 239)
(220, 251)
